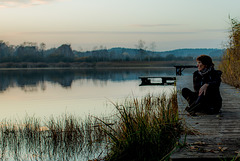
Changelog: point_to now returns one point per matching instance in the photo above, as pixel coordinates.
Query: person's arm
(196, 81)
(215, 79)
(213, 82)
(203, 89)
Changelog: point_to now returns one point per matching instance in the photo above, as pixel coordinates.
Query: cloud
(105, 32)
(154, 25)
(215, 30)
(23, 3)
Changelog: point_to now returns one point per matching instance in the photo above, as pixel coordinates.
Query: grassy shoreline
(95, 64)
(148, 129)
(151, 122)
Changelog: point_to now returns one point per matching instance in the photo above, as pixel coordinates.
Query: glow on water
(84, 97)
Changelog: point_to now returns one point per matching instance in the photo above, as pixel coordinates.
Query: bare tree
(141, 45)
(153, 46)
(42, 48)
(141, 49)
(33, 44)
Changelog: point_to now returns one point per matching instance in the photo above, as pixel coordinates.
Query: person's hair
(206, 60)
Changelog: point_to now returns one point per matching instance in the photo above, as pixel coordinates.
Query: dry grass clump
(148, 129)
(142, 129)
(230, 64)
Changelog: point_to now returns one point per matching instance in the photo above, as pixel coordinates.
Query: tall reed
(230, 64)
(142, 129)
(66, 137)
(147, 129)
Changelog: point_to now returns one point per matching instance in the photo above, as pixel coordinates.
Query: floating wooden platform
(217, 136)
(146, 80)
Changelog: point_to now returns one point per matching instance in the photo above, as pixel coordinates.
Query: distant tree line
(31, 52)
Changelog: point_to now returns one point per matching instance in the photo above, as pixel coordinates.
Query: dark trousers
(189, 95)
(203, 103)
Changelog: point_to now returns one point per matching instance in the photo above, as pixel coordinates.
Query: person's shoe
(191, 113)
(194, 107)
(213, 111)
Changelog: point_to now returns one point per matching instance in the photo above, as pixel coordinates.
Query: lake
(47, 92)
(43, 93)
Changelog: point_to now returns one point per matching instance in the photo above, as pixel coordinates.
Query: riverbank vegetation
(127, 64)
(147, 129)
(230, 64)
(67, 137)
(141, 129)
(31, 54)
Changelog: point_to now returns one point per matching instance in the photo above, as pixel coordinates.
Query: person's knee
(185, 92)
(184, 89)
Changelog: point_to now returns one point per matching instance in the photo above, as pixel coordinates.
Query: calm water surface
(47, 92)
(43, 93)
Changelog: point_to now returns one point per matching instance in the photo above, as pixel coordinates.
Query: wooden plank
(164, 77)
(185, 66)
(215, 131)
(146, 80)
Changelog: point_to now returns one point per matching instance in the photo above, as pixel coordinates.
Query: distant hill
(178, 52)
(133, 53)
(30, 52)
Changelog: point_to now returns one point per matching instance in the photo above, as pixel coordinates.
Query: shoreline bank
(93, 64)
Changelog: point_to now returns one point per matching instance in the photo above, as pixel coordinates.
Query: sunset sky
(85, 24)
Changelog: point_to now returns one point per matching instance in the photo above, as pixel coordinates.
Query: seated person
(206, 96)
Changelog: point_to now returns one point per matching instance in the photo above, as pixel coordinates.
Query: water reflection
(65, 138)
(28, 80)
(78, 91)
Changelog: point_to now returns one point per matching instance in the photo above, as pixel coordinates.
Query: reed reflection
(64, 138)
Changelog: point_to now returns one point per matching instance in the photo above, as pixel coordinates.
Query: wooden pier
(167, 80)
(180, 68)
(146, 80)
(214, 137)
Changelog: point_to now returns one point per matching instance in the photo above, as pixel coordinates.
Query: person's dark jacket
(212, 97)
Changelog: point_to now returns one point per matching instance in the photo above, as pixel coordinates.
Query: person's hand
(203, 89)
